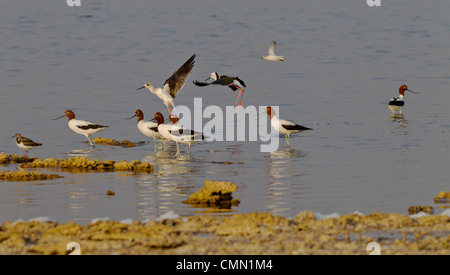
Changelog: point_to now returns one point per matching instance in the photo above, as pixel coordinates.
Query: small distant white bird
(82, 127)
(284, 126)
(25, 143)
(271, 56)
(173, 84)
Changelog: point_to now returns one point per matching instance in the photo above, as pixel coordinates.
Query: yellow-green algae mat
(109, 141)
(214, 194)
(253, 233)
(26, 176)
(78, 163)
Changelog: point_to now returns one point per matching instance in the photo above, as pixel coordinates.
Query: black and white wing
(176, 82)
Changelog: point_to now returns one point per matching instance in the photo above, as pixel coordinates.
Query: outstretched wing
(271, 49)
(201, 84)
(174, 83)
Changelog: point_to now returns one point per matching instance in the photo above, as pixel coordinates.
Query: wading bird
(284, 126)
(396, 103)
(82, 127)
(173, 84)
(25, 143)
(235, 83)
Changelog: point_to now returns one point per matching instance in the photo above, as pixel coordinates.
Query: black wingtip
(191, 59)
(201, 84)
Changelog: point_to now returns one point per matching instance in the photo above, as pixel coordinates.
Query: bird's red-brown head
(174, 119)
(270, 112)
(404, 88)
(159, 118)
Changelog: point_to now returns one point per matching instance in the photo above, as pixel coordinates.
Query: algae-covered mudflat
(254, 233)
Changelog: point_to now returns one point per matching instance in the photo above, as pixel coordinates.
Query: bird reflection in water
(91, 152)
(284, 164)
(165, 164)
(282, 189)
(402, 124)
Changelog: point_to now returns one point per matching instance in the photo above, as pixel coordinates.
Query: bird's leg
(235, 105)
(178, 149)
(154, 141)
(91, 141)
(288, 142)
(168, 107)
(242, 95)
(26, 153)
(189, 148)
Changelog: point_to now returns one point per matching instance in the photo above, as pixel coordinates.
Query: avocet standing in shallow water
(173, 84)
(177, 133)
(25, 143)
(396, 103)
(148, 128)
(284, 126)
(235, 83)
(82, 127)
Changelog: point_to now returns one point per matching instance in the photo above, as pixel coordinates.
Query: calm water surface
(344, 61)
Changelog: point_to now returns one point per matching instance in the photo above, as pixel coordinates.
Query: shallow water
(344, 61)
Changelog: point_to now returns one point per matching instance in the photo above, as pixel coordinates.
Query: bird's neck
(151, 89)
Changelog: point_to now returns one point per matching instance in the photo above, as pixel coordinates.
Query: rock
(84, 163)
(305, 216)
(442, 197)
(416, 209)
(214, 194)
(22, 175)
(108, 141)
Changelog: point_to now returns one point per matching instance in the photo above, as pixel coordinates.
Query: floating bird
(233, 82)
(396, 103)
(173, 84)
(283, 126)
(25, 143)
(148, 128)
(271, 56)
(177, 133)
(82, 127)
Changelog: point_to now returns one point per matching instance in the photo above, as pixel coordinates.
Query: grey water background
(344, 61)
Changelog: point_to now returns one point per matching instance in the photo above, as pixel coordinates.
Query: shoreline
(240, 234)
